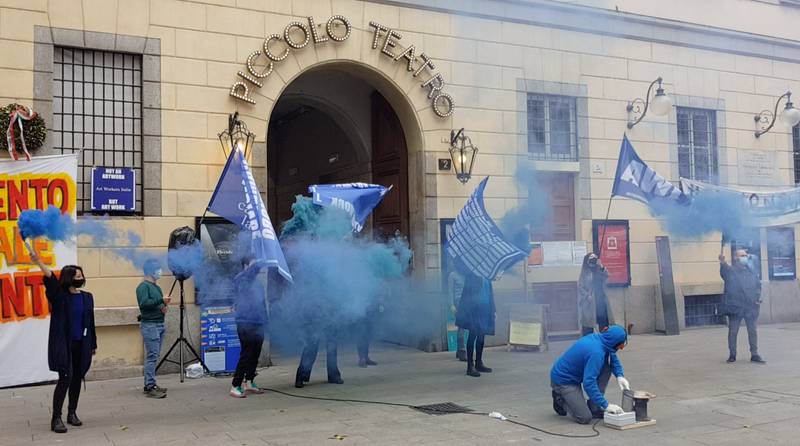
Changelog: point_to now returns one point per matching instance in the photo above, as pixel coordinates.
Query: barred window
(552, 127)
(796, 152)
(97, 113)
(697, 144)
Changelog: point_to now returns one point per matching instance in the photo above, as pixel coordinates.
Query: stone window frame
(580, 166)
(711, 173)
(46, 38)
(725, 172)
(548, 101)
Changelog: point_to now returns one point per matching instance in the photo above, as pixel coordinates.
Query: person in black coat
(72, 340)
(476, 314)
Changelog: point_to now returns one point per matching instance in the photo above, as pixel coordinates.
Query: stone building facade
(370, 91)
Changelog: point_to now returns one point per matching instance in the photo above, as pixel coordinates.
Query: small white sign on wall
(757, 168)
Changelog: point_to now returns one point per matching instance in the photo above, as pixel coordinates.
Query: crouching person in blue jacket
(590, 363)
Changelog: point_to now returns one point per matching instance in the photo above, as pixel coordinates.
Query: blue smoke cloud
(339, 278)
(702, 215)
(50, 223)
(517, 222)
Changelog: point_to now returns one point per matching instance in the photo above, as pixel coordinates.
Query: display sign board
(113, 189)
(219, 341)
(24, 310)
(525, 333)
(615, 251)
(780, 253)
(566, 253)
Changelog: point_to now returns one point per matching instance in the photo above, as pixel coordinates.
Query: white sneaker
(237, 392)
(250, 386)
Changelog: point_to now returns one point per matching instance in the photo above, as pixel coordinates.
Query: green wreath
(34, 130)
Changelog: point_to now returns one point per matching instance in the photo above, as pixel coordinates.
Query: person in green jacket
(152, 306)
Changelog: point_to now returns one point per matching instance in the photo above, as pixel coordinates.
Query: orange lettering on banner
(23, 294)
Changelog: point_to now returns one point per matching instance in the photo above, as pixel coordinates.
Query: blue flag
(357, 199)
(236, 199)
(635, 180)
(478, 242)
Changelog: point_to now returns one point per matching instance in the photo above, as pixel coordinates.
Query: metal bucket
(627, 400)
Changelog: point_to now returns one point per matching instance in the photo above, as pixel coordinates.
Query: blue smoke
(50, 223)
(517, 223)
(339, 278)
(703, 214)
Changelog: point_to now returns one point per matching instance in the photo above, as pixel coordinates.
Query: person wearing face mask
(742, 302)
(72, 341)
(152, 306)
(589, 364)
(592, 300)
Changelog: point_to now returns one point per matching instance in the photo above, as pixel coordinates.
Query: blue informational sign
(219, 342)
(113, 189)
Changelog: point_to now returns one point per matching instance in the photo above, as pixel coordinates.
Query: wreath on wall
(24, 130)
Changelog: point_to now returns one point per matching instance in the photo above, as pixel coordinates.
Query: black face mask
(592, 263)
(78, 283)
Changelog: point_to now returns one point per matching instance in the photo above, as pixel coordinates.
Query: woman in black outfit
(72, 340)
(476, 313)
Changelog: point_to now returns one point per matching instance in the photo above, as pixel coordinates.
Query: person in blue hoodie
(588, 363)
(250, 306)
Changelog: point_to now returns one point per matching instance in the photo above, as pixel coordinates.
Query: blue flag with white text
(357, 199)
(477, 241)
(635, 180)
(236, 199)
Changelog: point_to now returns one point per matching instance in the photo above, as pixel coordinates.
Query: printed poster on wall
(615, 253)
(24, 311)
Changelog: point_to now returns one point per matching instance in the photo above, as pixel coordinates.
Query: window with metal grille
(697, 144)
(703, 310)
(796, 152)
(97, 113)
(552, 127)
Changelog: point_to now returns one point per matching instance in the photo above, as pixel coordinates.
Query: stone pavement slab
(701, 401)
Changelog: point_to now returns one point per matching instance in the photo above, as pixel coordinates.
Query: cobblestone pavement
(701, 401)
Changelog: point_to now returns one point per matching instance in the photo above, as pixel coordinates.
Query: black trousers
(475, 344)
(251, 339)
(364, 336)
(69, 381)
(309, 356)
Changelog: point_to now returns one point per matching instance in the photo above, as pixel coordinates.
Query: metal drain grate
(442, 408)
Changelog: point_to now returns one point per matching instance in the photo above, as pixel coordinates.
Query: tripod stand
(180, 343)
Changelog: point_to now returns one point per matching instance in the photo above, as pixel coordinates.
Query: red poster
(615, 250)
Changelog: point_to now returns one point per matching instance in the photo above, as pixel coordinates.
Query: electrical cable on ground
(411, 406)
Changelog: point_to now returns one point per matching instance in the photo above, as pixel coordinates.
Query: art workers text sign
(113, 189)
(297, 35)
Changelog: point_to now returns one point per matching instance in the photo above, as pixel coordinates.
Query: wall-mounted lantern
(462, 152)
(660, 104)
(789, 116)
(236, 136)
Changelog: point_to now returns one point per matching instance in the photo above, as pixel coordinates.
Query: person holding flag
(237, 199)
(478, 244)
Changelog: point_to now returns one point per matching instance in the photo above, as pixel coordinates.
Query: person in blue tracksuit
(588, 363)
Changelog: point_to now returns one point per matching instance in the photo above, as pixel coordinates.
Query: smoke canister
(627, 400)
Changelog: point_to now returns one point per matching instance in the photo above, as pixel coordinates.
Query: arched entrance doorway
(331, 125)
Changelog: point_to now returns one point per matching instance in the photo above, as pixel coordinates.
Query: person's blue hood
(614, 336)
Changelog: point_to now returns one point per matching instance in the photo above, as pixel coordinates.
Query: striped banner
(478, 242)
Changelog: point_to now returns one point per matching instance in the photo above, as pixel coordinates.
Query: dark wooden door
(558, 225)
(389, 168)
(559, 191)
(562, 297)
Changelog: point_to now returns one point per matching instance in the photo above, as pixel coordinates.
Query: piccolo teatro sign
(297, 35)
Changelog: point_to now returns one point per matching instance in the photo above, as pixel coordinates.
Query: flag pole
(605, 224)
